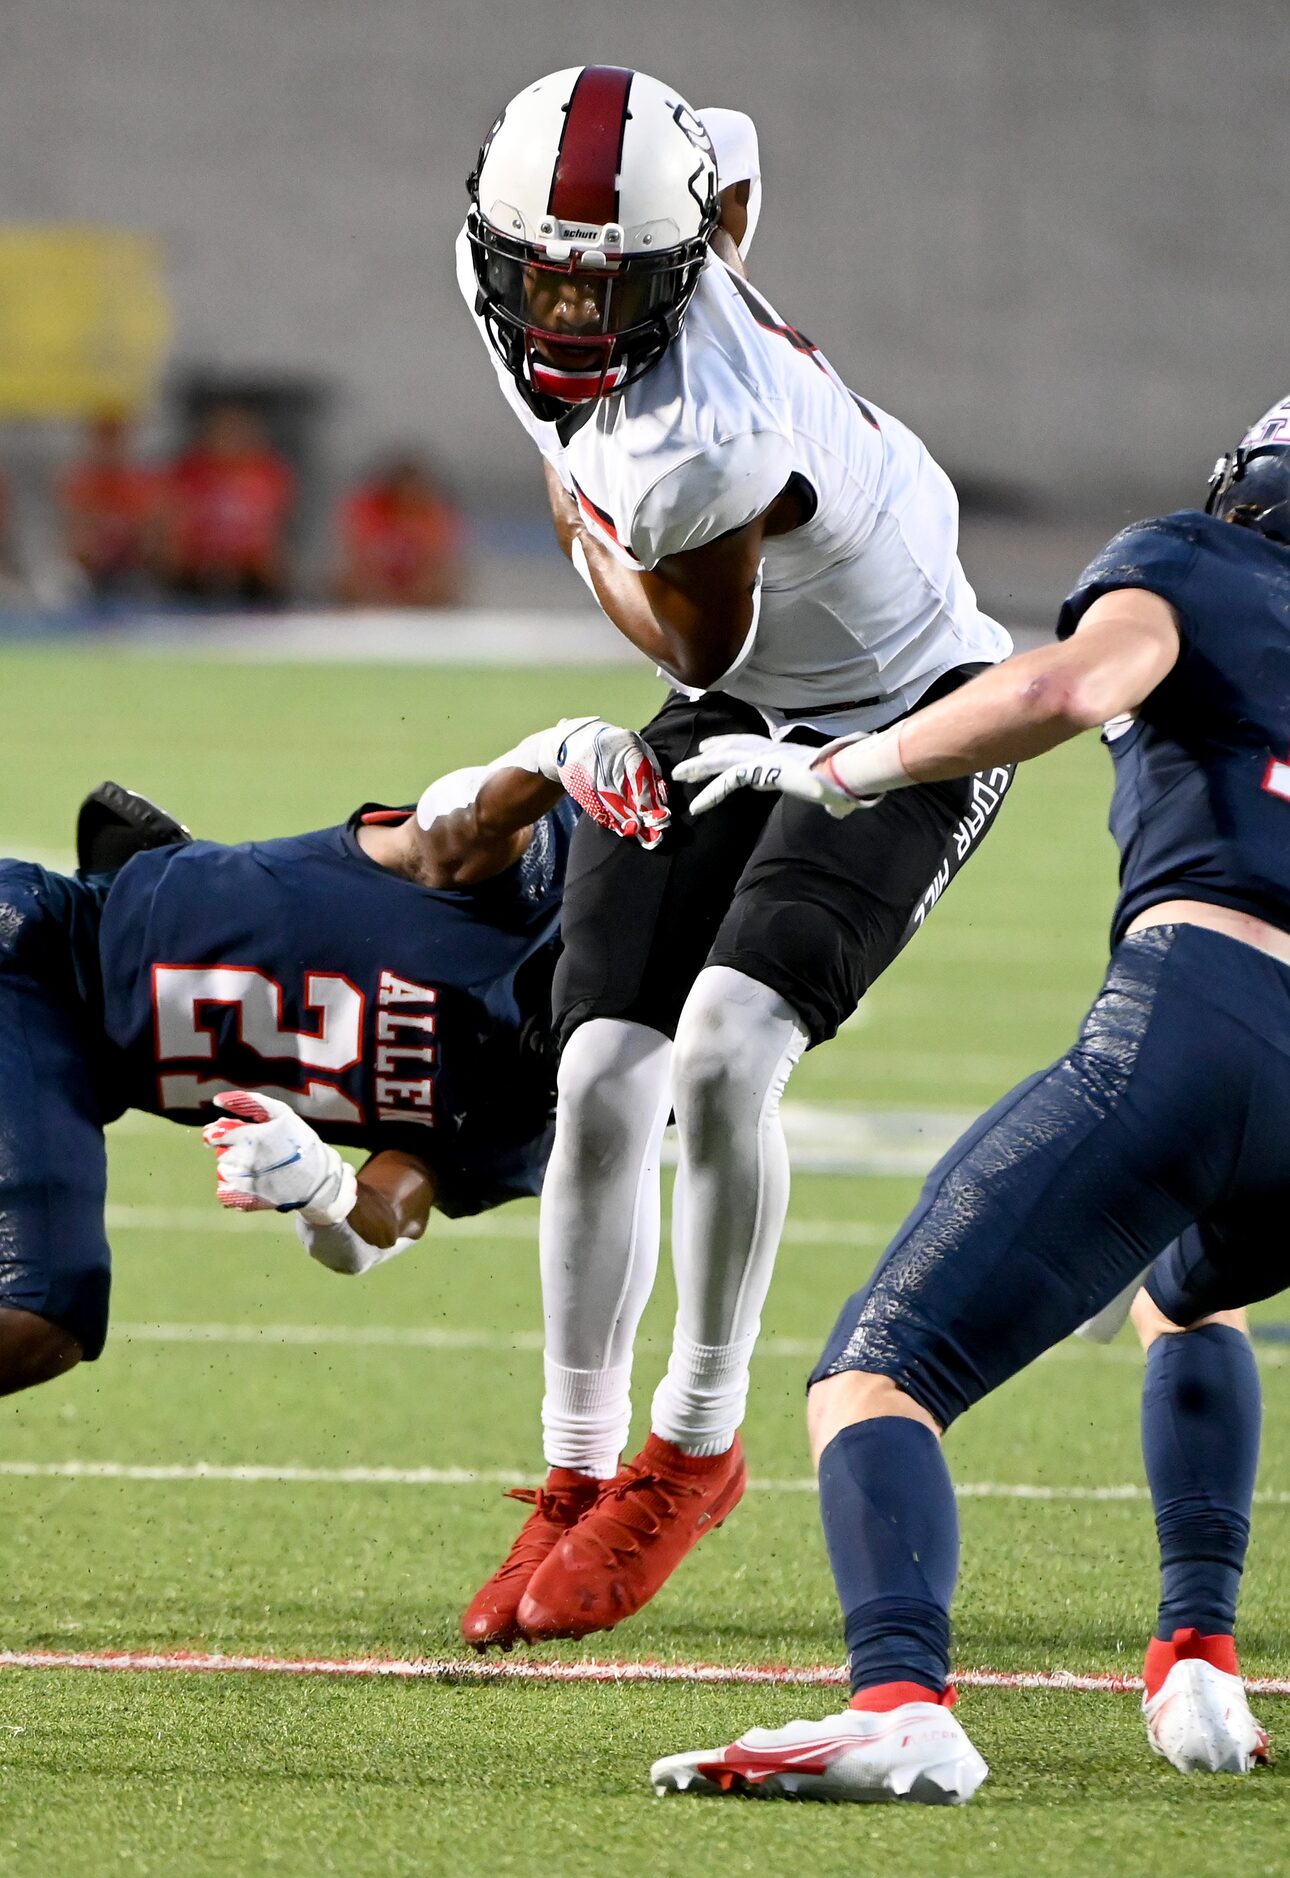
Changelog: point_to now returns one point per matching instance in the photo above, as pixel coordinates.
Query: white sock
(700, 1402)
(736, 1045)
(585, 1417)
(599, 1234)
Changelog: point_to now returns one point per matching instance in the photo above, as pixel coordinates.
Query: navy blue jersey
(389, 1014)
(1201, 809)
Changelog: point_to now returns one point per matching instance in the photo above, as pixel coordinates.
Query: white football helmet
(591, 206)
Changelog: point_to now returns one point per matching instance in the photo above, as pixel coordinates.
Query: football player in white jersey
(786, 554)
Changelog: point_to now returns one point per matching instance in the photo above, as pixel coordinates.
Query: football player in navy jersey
(383, 985)
(1156, 1145)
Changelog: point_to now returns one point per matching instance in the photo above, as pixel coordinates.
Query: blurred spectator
(228, 500)
(401, 540)
(109, 503)
(13, 588)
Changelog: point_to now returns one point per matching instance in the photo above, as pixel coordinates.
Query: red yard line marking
(476, 1669)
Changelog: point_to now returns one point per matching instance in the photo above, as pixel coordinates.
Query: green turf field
(230, 1348)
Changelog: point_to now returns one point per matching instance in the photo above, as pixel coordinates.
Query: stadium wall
(1049, 235)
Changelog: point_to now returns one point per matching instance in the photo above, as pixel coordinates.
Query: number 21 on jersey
(335, 1046)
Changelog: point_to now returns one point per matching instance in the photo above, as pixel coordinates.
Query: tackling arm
(608, 772)
(463, 846)
(1126, 645)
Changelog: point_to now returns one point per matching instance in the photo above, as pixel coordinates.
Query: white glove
(852, 772)
(266, 1156)
(748, 762)
(609, 772)
(613, 777)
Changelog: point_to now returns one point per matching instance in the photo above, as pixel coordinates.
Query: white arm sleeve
(711, 493)
(340, 1249)
(734, 139)
(456, 790)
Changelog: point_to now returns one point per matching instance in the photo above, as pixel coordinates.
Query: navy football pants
(1166, 1126)
(54, 1257)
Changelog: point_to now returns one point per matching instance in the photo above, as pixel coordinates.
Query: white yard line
(442, 1337)
(477, 1669)
(393, 1337)
(127, 1218)
(258, 1474)
(824, 1136)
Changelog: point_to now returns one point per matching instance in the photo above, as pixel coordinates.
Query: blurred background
(236, 373)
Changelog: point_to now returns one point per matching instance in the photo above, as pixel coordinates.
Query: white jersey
(863, 606)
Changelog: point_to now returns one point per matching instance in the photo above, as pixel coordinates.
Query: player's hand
(266, 1156)
(747, 762)
(613, 777)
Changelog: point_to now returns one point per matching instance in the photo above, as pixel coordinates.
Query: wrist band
(869, 767)
(338, 1208)
(340, 1248)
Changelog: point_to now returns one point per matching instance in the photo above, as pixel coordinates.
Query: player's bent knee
(32, 1350)
(598, 1113)
(706, 1071)
(724, 1063)
(1150, 1321)
(838, 1402)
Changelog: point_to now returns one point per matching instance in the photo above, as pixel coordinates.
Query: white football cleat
(1199, 1720)
(916, 1752)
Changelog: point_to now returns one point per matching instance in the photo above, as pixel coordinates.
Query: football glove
(266, 1156)
(748, 762)
(613, 777)
(610, 773)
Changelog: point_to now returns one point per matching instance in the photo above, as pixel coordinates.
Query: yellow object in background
(85, 321)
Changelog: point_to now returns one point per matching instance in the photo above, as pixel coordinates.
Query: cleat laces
(633, 1508)
(532, 1543)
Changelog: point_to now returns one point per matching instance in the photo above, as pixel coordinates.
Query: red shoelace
(641, 1502)
(550, 1508)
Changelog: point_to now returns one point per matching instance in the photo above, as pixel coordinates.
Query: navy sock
(1201, 1410)
(891, 1526)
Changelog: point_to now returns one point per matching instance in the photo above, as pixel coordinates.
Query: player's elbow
(701, 663)
(698, 670)
(1065, 701)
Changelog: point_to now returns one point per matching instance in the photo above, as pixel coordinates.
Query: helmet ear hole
(1221, 478)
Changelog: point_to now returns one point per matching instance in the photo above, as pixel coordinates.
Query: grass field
(231, 1349)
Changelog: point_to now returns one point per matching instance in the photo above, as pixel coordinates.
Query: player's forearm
(511, 800)
(1016, 710)
(394, 1194)
(1126, 645)
(483, 837)
(694, 643)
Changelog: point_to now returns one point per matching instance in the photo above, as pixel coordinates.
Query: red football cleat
(489, 1618)
(623, 1551)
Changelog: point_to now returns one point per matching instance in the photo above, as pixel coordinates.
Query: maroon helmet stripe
(584, 187)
